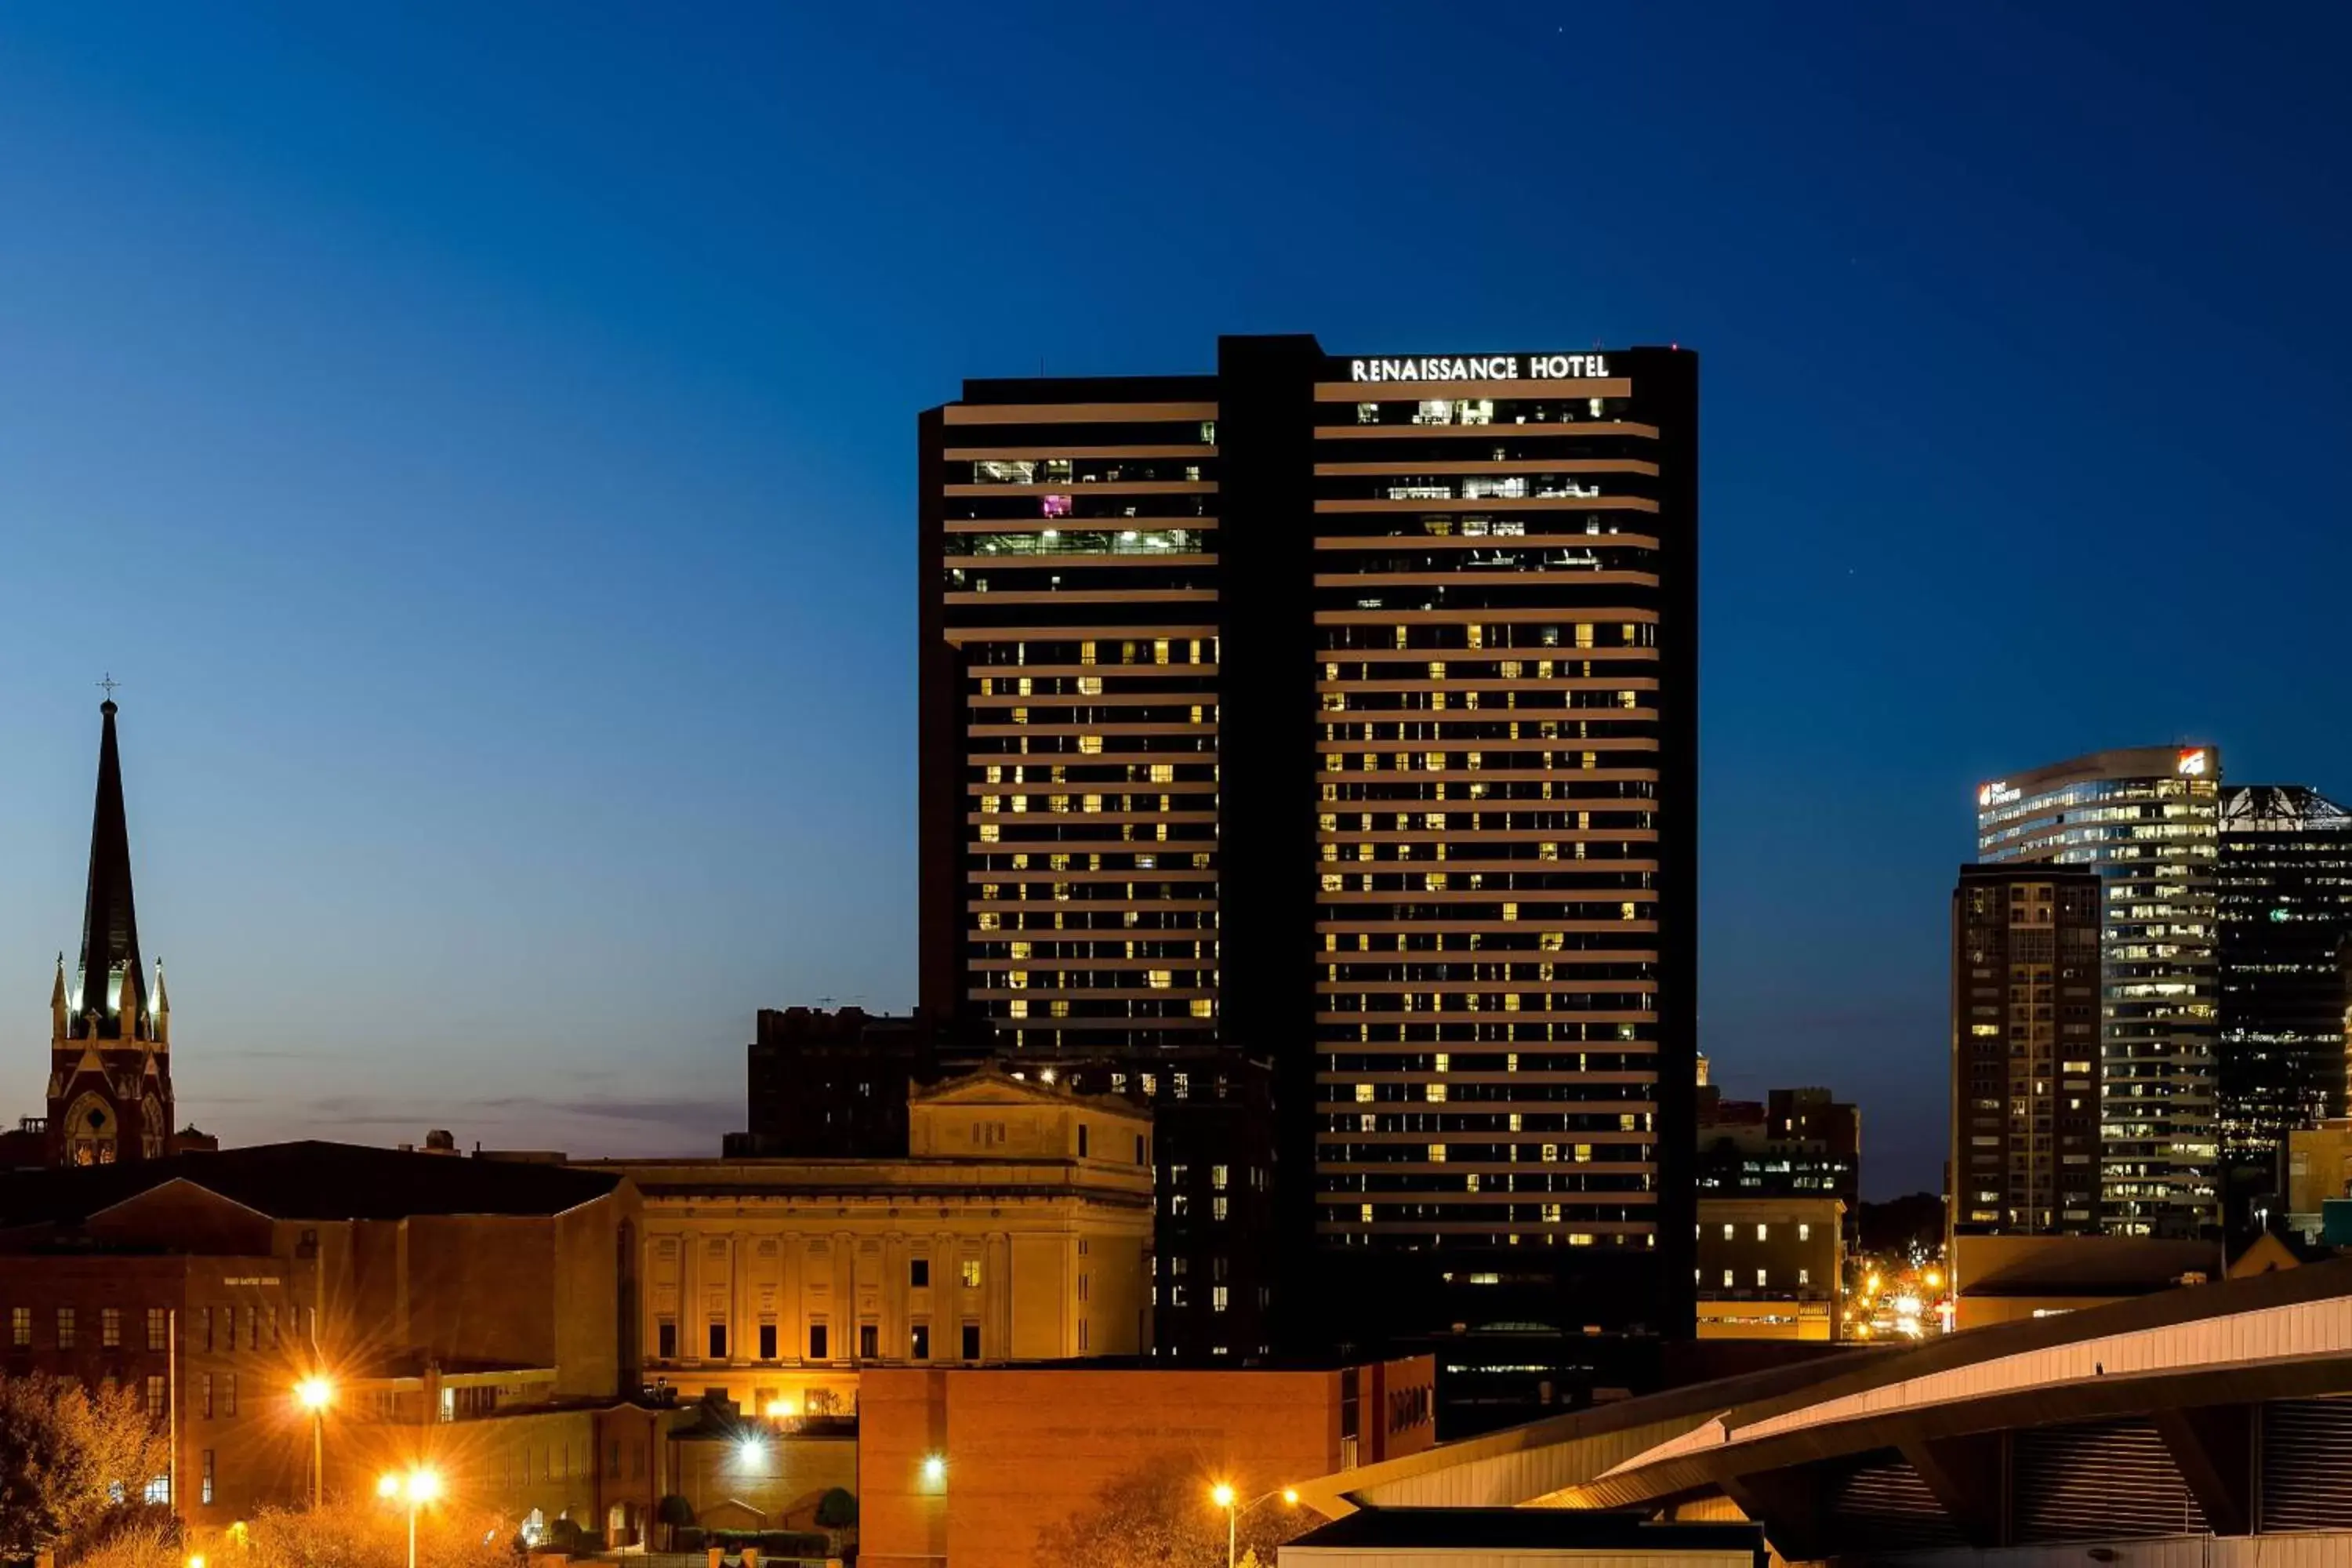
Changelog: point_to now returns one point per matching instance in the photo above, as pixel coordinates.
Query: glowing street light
(418, 1487)
(750, 1452)
(314, 1394)
(935, 1469)
(1224, 1496)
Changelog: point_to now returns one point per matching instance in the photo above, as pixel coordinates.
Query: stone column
(740, 1301)
(946, 1314)
(845, 1293)
(996, 1293)
(690, 1344)
(792, 1327)
(648, 1333)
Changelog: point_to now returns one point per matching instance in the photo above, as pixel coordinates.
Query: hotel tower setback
(1341, 713)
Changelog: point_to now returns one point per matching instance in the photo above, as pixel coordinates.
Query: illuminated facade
(2285, 915)
(2146, 819)
(1343, 713)
(2025, 1050)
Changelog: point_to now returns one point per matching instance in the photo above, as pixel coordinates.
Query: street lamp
(418, 1487)
(1224, 1496)
(314, 1394)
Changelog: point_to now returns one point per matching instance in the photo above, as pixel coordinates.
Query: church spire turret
(109, 931)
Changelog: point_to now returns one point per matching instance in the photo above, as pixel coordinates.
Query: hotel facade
(2148, 820)
(1339, 714)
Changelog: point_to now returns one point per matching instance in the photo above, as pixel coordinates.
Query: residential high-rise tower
(2025, 1050)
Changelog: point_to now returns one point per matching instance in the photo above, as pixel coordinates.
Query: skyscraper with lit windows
(2286, 920)
(2146, 819)
(1343, 711)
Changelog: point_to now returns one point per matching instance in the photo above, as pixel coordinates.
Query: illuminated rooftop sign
(1481, 367)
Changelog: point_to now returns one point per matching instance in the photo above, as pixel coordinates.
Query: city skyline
(518, 845)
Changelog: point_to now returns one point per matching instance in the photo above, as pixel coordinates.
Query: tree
(673, 1514)
(365, 1533)
(69, 1459)
(837, 1509)
(1162, 1515)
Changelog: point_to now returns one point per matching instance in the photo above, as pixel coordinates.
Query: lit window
(970, 1267)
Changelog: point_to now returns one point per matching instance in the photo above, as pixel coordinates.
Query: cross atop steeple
(109, 683)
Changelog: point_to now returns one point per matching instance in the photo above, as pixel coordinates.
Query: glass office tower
(2287, 914)
(2146, 819)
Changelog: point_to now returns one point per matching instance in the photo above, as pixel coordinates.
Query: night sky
(482, 439)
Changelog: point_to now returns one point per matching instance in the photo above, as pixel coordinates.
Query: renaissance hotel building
(1340, 714)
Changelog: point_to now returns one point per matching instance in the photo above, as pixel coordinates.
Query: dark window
(206, 1312)
(612, 1458)
(204, 1397)
(665, 1340)
(919, 1273)
(110, 1327)
(869, 1341)
(919, 1342)
(65, 1328)
(816, 1342)
(158, 1329)
(972, 1342)
(717, 1342)
(1139, 1148)
(1081, 1140)
(228, 1393)
(767, 1341)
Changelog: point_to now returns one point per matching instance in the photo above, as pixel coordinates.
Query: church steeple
(109, 1073)
(109, 928)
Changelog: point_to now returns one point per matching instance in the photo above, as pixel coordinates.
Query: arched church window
(153, 1128)
(91, 1131)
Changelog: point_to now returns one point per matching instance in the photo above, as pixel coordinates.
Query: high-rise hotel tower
(2146, 819)
(1341, 712)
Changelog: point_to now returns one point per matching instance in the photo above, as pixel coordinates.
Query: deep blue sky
(482, 438)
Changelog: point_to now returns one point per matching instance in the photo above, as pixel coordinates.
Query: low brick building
(476, 1316)
(965, 1467)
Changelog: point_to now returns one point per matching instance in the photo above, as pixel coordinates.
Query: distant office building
(833, 1084)
(2025, 1050)
(2285, 915)
(1770, 1268)
(1796, 1143)
(2146, 819)
(1342, 711)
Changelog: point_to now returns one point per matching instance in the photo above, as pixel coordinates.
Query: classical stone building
(1018, 1227)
